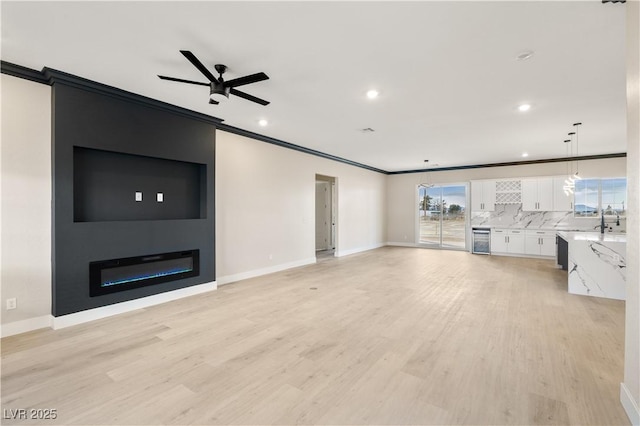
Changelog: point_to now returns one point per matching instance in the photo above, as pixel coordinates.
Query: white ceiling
(447, 72)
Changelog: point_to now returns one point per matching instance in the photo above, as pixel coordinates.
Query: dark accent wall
(155, 142)
(105, 185)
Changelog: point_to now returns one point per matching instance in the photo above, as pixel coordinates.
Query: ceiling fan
(218, 86)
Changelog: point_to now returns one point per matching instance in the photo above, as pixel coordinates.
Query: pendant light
(425, 182)
(576, 176)
(569, 184)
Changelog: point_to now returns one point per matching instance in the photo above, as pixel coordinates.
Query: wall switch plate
(160, 197)
(138, 196)
(12, 303)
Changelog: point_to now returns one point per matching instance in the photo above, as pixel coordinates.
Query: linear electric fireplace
(110, 276)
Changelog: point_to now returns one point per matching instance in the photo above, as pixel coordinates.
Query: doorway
(442, 216)
(325, 216)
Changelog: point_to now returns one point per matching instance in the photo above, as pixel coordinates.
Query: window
(614, 196)
(592, 196)
(586, 198)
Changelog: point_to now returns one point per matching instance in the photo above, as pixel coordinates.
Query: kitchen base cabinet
(507, 241)
(563, 253)
(540, 243)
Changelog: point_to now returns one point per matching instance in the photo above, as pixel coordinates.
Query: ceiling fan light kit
(220, 89)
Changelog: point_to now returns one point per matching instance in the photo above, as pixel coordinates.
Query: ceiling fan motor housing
(218, 89)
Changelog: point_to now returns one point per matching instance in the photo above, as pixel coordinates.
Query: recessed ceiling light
(372, 94)
(525, 154)
(524, 107)
(263, 122)
(523, 56)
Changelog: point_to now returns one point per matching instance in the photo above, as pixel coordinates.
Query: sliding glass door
(442, 217)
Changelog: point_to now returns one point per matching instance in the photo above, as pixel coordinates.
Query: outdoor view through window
(593, 196)
(442, 213)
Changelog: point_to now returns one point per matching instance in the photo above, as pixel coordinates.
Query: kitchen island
(596, 263)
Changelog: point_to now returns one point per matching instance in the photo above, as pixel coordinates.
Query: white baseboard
(24, 326)
(264, 271)
(341, 253)
(629, 405)
(405, 244)
(130, 305)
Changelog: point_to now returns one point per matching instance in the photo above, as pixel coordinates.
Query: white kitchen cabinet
(483, 195)
(561, 201)
(498, 241)
(509, 241)
(540, 243)
(537, 194)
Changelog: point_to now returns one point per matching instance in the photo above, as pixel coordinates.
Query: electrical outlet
(160, 197)
(138, 196)
(12, 303)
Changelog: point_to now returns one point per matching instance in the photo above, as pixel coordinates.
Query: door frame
(467, 217)
(333, 211)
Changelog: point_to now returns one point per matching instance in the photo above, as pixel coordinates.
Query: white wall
(630, 389)
(401, 189)
(25, 223)
(265, 207)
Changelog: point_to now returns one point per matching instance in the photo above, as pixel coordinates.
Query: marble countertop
(589, 234)
(610, 237)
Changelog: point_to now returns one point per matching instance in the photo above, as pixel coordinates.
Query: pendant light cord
(577, 147)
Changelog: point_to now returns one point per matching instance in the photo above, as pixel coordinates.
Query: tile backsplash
(512, 216)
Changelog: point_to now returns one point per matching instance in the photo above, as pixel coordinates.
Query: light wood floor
(390, 336)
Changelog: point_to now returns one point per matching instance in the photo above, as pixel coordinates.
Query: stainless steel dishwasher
(481, 240)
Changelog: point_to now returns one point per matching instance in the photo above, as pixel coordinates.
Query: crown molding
(298, 148)
(513, 163)
(51, 77)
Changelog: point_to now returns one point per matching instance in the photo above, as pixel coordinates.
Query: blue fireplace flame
(146, 277)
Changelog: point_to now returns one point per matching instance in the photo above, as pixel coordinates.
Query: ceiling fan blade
(196, 63)
(212, 102)
(180, 80)
(241, 81)
(249, 97)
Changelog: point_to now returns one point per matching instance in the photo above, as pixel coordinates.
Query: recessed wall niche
(105, 184)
